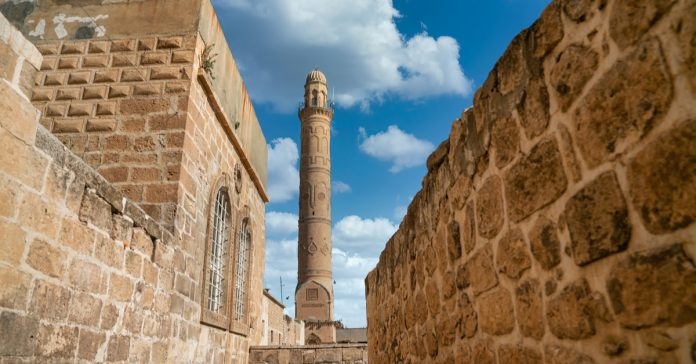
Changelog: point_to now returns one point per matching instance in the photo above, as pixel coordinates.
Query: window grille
(242, 265)
(218, 251)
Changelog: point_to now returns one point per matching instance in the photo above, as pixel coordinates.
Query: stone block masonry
(91, 271)
(557, 224)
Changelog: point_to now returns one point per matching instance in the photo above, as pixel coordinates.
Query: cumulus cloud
(355, 234)
(283, 176)
(401, 149)
(339, 187)
(355, 43)
(280, 223)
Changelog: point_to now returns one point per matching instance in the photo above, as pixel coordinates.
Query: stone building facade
(278, 328)
(133, 189)
(557, 223)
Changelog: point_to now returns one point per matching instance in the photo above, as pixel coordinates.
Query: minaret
(314, 294)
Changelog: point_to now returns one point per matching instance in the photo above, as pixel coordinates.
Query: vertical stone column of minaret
(314, 293)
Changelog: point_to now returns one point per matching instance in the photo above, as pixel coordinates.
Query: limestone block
(42, 94)
(48, 49)
(547, 31)
(544, 243)
(530, 309)
(183, 56)
(467, 320)
(566, 314)
(119, 91)
(496, 313)
(109, 317)
(68, 93)
(85, 309)
(146, 44)
(535, 180)
(81, 109)
(14, 287)
(505, 139)
(555, 354)
(94, 92)
(68, 63)
(73, 47)
(120, 287)
(114, 174)
(176, 87)
(56, 110)
(54, 79)
(624, 105)
(123, 60)
(96, 61)
(165, 73)
(98, 47)
(105, 76)
(49, 63)
(573, 68)
(489, 208)
(13, 241)
(483, 352)
(105, 108)
(133, 75)
(512, 258)
(479, 271)
(662, 180)
(95, 210)
(150, 58)
(169, 42)
(654, 287)
(598, 220)
(89, 344)
(68, 125)
(118, 348)
(75, 235)
(123, 45)
(534, 108)
(50, 301)
(147, 89)
(630, 19)
(85, 276)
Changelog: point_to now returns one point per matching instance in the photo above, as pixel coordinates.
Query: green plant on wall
(208, 60)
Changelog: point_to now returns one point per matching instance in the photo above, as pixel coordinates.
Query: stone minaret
(314, 294)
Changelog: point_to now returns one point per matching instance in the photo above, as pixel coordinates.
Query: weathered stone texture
(535, 180)
(598, 220)
(663, 180)
(665, 275)
(570, 186)
(630, 100)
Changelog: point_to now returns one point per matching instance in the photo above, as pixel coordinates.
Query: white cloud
(402, 150)
(283, 176)
(280, 223)
(355, 234)
(339, 187)
(355, 43)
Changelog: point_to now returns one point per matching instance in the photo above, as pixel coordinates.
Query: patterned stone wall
(557, 223)
(121, 106)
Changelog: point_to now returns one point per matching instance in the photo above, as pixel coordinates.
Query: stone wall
(324, 353)
(557, 222)
(278, 328)
(86, 274)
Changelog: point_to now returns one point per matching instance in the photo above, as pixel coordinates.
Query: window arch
(241, 260)
(215, 296)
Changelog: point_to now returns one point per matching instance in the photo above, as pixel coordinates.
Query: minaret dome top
(316, 76)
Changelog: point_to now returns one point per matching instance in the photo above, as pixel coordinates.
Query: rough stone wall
(324, 353)
(88, 275)
(557, 222)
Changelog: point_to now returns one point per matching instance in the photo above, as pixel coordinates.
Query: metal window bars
(218, 251)
(242, 264)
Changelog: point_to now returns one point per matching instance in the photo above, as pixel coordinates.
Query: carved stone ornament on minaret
(314, 294)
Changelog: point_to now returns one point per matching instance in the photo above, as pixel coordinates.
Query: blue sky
(400, 71)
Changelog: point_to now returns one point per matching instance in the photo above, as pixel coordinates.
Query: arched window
(242, 260)
(314, 98)
(215, 309)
